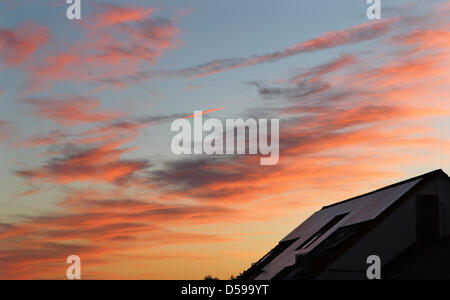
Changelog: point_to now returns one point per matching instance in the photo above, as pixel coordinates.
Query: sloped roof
(353, 211)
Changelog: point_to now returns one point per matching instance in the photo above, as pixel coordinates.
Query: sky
(86, 107)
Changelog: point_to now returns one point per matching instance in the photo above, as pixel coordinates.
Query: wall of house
(389, 238)
(444, 201)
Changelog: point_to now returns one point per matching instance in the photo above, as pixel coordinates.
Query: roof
(325, 222)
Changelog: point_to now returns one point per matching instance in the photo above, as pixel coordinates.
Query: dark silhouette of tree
(210, 277)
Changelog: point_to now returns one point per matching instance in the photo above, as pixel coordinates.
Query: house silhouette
(405, 224)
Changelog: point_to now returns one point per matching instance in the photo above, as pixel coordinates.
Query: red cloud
(352, 35)
(114, 14)
(316, 73)
(336, 138)
(92, 164)
(76, 110)
(102, 227)
(121, 40)
(364, 115)
(53, 138)
(18, 46)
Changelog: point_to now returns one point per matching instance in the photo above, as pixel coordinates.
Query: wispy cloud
(342, 121)
(118, 40)
(352, 35)
(113, 15)
(333, 115)
(17, 46)
(72, 111)
(101, 225)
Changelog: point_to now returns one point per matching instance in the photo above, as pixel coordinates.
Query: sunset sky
(86, 108)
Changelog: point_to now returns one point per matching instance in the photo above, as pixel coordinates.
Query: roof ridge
(432, 173)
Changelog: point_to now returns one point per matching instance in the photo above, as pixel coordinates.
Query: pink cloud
(102, 223)
(119, 42)
(73, 111)
(341, 130)
(352, 35)
(113, 14)
(16, 46)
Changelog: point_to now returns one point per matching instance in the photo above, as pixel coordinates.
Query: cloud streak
(73, 111)
(329, 40)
